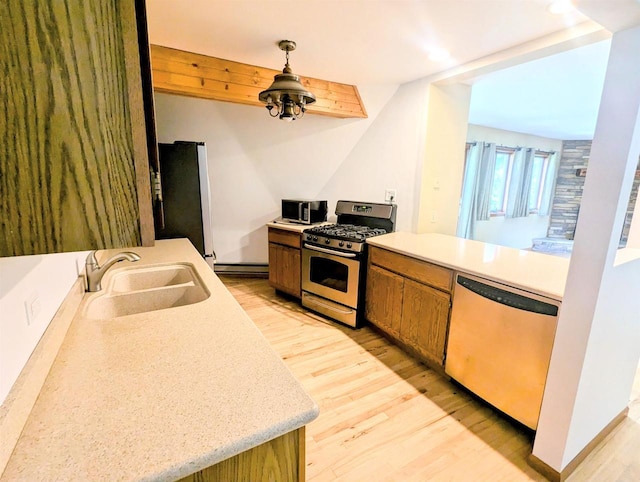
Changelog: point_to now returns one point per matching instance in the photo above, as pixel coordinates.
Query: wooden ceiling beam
(196, 75)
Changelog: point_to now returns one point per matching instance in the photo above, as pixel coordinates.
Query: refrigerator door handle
(205, 193)
(156, 197)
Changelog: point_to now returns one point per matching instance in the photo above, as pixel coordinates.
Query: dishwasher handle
(508, 298)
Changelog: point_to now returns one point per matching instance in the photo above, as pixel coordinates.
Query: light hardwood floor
(386, 417)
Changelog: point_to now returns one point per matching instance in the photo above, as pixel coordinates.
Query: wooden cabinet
(74, 164)
(282, 459)
(425, 319)
(384, 297)
(285, 260)
(410, 300)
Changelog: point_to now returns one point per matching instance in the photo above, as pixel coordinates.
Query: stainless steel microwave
(304, 211)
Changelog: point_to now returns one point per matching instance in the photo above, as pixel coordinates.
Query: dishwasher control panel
(508, 298)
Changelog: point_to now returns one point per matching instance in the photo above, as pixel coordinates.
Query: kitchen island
(158, 395)
(483, 314)
(411, 278)
(537, 273)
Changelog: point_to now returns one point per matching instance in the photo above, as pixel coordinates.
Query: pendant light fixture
(286, 98)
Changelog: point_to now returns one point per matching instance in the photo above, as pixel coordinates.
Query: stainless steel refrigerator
(186, 199)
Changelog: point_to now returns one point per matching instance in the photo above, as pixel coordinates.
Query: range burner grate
(348, 232)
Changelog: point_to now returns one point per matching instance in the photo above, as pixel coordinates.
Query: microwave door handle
(329, 251)
(300, 212)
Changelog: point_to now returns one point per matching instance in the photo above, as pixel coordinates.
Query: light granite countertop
(298, 228)
(158, 395)
(538, 273)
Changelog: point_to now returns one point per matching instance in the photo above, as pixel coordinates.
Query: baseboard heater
(242, 269)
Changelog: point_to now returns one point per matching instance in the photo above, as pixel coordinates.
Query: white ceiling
(381, 41)
(556, 97)
(352, 41)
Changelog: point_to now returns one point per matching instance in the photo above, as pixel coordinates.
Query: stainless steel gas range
(334, 259)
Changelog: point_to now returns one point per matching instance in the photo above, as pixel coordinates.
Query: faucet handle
(91, 259)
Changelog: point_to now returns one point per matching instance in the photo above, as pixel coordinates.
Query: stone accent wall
(632, 203)
(568, 193)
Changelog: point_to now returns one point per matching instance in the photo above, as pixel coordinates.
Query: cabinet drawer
(421, 271)
(281, 236)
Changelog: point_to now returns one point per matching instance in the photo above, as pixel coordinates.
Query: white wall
(255, 161)
(44, 279)
(388, 155)
(445, 128)
(512, 232)
(597, 344)
(511, 139)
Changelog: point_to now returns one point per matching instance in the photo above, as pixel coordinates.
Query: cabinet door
(273, 265)
(74, 172)
(425, 316)
(383, 300)
(282, 459)
(285, 268)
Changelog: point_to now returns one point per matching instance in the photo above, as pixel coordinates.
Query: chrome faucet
(96, 272)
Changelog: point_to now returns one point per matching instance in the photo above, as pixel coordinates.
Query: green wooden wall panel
(67, 175)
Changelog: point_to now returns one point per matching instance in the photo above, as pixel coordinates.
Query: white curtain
(485, 182)
(476, 187)
(520, 183)
(549, 185)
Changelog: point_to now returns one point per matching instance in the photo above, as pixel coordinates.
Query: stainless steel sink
(133, 291)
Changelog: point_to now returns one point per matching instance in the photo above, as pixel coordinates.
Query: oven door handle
(313, 299)
(330, 251)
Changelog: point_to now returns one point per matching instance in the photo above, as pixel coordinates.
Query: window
(501, 174)
(538, 174)
(502, 179)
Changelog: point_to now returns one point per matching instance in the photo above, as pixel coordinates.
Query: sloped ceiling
(388, 42)
(352, 41)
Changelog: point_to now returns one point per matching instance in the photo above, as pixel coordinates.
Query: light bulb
(560, 7)
(439, 55)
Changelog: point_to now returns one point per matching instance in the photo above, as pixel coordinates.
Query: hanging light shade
(287, 98)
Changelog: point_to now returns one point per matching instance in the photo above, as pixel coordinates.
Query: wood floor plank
(386, 417)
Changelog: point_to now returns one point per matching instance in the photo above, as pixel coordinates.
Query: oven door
(331, 274)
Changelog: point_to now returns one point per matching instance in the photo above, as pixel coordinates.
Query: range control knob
(327, 241)
(341, 244)
(309, 237)
(315, 238)
(349, 245)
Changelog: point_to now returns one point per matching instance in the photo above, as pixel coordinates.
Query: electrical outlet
(389, 195)
(32, 307)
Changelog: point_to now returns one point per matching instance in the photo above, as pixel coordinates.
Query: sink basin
(113, 306)
(132, 291)
(136, 279)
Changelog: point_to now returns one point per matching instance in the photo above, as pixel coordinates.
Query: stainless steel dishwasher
(499, 346)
